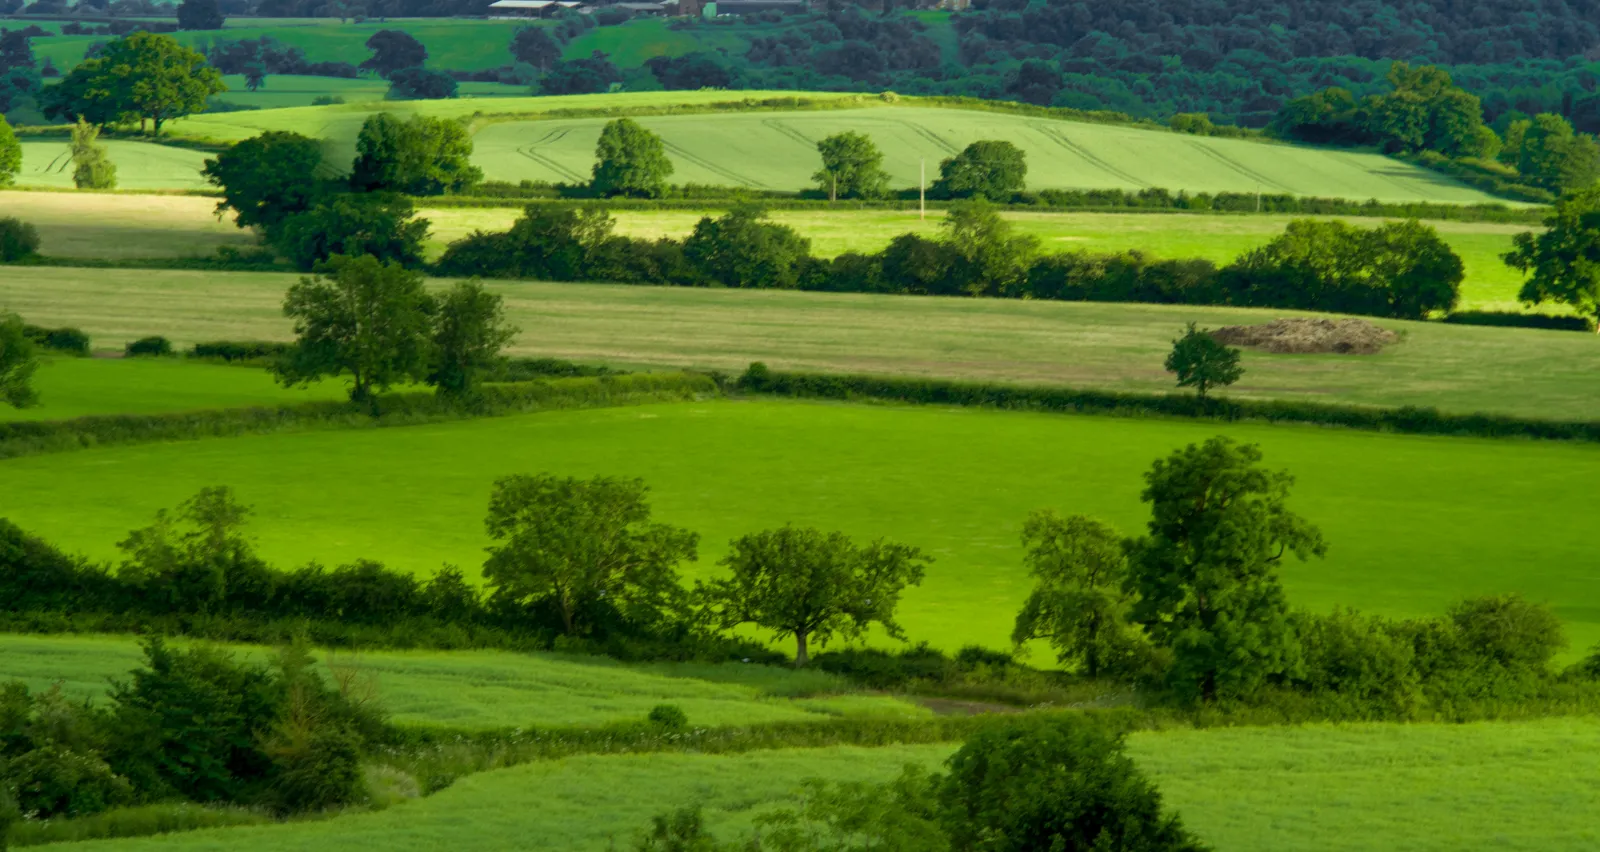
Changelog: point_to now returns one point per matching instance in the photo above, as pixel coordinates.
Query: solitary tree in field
(535, 46)
(1079, 602)
(1207, 571)
(1563, 262)
(852, 167)
(393, 50)
(91, 164)
(630, 160)
(366, 318)
(417, 156)
(255, 76)
(802, 582)
(469, 330)
(266, 179)
(575, 544)
(18, 360)
(1202, 363)
(142, 76)
(10, 153)
(993, 169)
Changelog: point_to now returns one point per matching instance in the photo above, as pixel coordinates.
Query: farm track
(709, 166)
(1241, 168)
(1056, 136)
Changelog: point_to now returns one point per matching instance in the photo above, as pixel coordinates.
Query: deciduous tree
(1202, 363)
(365, 318)
(381, 224)
(1079, 603)
(534, 46)
(199, 15)
(417, 156)
(630, 160)
(267, 178)
(988, 259)
(10, 154)
(142, 76)
(469, 332)
(575, 543)
(393, 50)
(1207, 571)
(1563, 262)
(993, 169)
(91, 164)
(811, 585)
(743, 249)
(852, 167)
(18, 361)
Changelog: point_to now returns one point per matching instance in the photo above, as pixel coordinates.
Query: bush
(18, 240)
(157, 345)
(1516, 320)
(240, 350)
(669, 716)
(68, 340)
(319, 770)
(53, 781)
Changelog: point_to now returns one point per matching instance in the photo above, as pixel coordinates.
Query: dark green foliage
(1563, 262)
(267, 178)
(534, 46)
(240, 350)
(1131, 276)
(417, 156)
(630, 160)
(199, 15)
(902, 815)
(669, 716)
(52, 781)
(989, 169)
(801, 582)
(67, 341)
(35, 576)
(1552, 156)
(580, 76)
(411, 84)
(576, 543)
(1511, 319)
(393, 50)
(378, 224)
(156, 346)
(196, 560)
(1401, 269)
(743, 249)
(364, 318)
(1200, 362)
(469, 332)
(191, 722)
(1059, 783)
(852, 167)
(1365, 665)
(18, 361)
(1079, 602)
(984, 257)
(682, 830)
(18, 239)
(10, 154)
(1206, 573)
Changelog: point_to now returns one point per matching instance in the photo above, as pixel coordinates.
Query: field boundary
(27, 438)
(1408, 420)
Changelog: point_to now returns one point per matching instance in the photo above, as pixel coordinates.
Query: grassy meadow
(497, 689)
(140, 165)
(1456, 368)
(74, 387)
(1415, 523)
(1358, 788)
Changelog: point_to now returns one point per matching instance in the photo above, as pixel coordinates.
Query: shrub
(240, 350)
(18, 240)
(68, 340)
(1517, 320)
(318, 770)
(669, 716)
(54, 781)
(157, 345)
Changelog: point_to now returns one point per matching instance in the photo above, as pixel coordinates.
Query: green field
(777, 150)
(1415, 523)
(140, 165)
(1456, 368)
(73, 387)
(1361, 788)
(497, 689)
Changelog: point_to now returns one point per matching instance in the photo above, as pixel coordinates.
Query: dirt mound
(1301, 336)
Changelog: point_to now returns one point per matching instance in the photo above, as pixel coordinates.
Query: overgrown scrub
(1411, 420)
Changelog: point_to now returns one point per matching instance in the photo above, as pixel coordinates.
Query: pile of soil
(1303, 336)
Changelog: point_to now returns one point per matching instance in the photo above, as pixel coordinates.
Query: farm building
(503, 9)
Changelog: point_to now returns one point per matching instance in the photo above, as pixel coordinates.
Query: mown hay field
(1530, 372)
(497, 689)
(1356, 788)
(1414, 523)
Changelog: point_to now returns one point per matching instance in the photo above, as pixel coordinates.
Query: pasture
(1414, 523)
(75, 387)
(497, 689)
(1420, 788)
(777, 151)
(140, 165)
(1455, 368)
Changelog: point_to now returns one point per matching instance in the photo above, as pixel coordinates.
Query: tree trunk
(801, 658)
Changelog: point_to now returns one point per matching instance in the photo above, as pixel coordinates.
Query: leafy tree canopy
(393, 50)
(1202, 363)
(852, 167)
(630, 160)
(141, 77)
(417, 156)
(989, 168)
(1563, 262)
(199, 15)
(266, 179)
(18, 361)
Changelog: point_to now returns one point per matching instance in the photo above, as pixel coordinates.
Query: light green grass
(74, 387)
(777, 150)
(1364, 788)
(140, 165)
(1456, 368)
(636, 42)
(490, 689)
(1414, 523)
(124, 226)
(288, 90)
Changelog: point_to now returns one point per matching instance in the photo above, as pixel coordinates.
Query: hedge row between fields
(1406, 419)
(22, 438)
